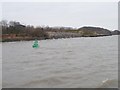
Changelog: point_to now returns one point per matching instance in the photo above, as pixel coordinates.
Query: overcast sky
(68, 14)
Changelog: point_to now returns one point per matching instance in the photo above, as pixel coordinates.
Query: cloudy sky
(68, 14)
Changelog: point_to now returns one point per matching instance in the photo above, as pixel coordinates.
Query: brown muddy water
(90, 62)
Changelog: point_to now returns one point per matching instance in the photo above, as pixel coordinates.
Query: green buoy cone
(35, 45)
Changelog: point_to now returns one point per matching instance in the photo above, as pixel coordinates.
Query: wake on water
(109, 83)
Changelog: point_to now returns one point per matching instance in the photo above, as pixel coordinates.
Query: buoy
(35, 45)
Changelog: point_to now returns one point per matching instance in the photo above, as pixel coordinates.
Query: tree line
(14, 27)
(17, 28)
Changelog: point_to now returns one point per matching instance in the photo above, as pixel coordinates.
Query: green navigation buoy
(35, 45)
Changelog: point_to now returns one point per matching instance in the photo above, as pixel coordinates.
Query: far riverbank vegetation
(15, 31)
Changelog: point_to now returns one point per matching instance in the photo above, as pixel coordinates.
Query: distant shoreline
(15, 31)
(30, 39)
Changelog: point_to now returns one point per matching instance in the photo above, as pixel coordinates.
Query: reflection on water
(78, 62)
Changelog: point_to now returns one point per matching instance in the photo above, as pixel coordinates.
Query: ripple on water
(109, 83)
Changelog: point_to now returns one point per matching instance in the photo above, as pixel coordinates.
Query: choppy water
(75, 63)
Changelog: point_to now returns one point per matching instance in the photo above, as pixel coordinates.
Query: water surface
(89, 62)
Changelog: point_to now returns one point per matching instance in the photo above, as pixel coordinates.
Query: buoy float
(35, 45)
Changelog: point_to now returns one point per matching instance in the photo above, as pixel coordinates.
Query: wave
(45, 82)
(107, 83)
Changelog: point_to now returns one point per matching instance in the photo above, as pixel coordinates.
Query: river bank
(50, 35)
(55, 36)
(19, 32)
